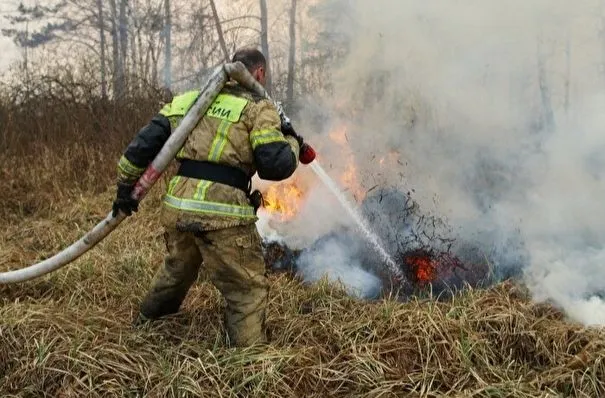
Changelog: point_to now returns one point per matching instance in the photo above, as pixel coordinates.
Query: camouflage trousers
(233, 261)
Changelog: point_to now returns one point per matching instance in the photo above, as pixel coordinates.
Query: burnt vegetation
(434, 260)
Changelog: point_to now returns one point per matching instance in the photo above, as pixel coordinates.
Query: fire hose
(307, 153)
(218, 78)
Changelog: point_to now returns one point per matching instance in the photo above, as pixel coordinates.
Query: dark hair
(251, 58)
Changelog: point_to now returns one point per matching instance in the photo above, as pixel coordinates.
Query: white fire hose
(236, 71)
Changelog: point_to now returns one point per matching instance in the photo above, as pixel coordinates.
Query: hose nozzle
(307, 154)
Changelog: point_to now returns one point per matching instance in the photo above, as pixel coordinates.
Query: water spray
(307, 156)
(370, 235)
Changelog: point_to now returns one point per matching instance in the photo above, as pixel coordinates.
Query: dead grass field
(69, 334)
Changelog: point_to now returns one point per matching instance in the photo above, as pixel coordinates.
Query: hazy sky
(10, 53)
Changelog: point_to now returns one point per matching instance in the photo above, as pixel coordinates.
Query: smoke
(335, 258)
(494, 113)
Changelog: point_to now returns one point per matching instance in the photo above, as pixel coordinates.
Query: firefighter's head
(254, 61)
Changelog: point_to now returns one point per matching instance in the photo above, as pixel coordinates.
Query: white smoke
(336, 261)
(319, 214)
(495, 112)
(327, 257)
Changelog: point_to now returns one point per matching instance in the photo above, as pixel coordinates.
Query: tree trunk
(219, 31)
(202, 24)
(547, 111)
(291, 58)
(154, 64)
(141, 70)
(168, 49)
(102, 40)
(567, 72)
(264, 40)
(118, 84)
(123, 41)
(302, 73)
(135, 83)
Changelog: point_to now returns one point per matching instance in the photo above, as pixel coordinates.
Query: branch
(238, 18)
(219, 31)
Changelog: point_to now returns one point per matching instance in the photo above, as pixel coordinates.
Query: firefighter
(208, 211)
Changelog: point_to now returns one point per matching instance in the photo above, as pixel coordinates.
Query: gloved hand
(307, 154)
(287, 129)
(124, 201)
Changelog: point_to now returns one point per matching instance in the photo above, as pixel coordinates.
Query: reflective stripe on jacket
(240, 130)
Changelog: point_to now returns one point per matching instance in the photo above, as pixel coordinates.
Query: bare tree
(102, 48)
(219, 31)
(264, 39)
(301, 54)
(149, 22)
(291, 56)
(118, 75)
(547, 110)
(168, 48)
(146, 39)
(123, 21)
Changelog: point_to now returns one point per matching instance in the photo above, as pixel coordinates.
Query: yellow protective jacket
(240, 130)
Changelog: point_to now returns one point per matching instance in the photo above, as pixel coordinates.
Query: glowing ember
(424, 268)
(283, 200)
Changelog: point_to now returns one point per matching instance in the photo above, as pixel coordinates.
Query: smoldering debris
(431, 256)
(279, 257)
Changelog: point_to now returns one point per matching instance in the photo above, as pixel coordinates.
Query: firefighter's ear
(259, 75)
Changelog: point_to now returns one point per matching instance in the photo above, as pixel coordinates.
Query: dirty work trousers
(233, 261)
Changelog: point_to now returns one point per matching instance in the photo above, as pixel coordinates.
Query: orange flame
(283, 200)
(339, 136)
(349, 177)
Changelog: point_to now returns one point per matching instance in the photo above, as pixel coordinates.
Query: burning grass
(283, 200)
(69, 333)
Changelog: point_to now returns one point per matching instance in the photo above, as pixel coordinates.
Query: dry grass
(55, 145)
(69, 334)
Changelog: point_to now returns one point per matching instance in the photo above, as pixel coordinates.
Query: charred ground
(433, 258)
